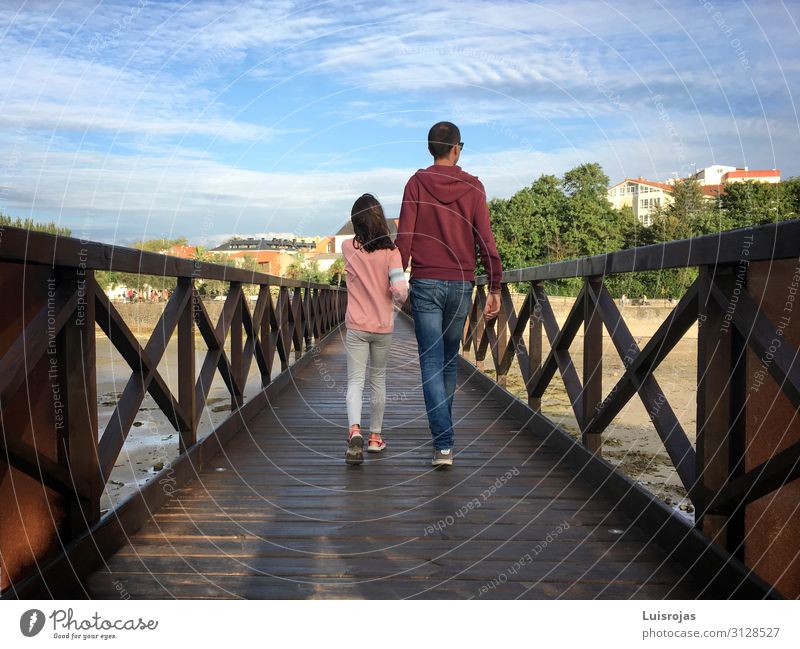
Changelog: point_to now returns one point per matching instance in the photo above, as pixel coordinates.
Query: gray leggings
(363, 346)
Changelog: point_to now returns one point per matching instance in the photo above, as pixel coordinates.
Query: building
(272, 262)
(719, 174)
(712, 175)
(641, 195)
(759, 175)
(346, 232)
(324, 259)
(253, 245)
(326, 245)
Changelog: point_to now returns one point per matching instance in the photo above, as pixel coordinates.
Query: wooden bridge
(264, 506)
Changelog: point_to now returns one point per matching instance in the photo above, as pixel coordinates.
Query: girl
(375, 279)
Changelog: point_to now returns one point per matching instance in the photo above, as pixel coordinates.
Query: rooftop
(253, 244)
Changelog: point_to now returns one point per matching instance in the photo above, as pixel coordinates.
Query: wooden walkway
(279, 515)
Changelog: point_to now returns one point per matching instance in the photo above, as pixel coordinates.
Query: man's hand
(492, 306)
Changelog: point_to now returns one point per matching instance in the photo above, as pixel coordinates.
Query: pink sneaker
(376, 443)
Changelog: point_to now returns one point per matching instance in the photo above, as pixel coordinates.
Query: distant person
(443, 219)
(623, 300)
(375, 280)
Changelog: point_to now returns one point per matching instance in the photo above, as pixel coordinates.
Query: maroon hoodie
(443, 219)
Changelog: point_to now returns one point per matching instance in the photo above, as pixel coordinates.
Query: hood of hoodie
(445, 183)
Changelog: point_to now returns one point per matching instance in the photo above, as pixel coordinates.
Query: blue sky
(207, 119)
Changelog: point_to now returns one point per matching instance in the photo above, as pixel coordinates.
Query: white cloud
(109, 102)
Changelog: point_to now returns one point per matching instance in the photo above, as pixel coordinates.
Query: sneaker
(376, 443)
(355, 446)
(442, 457)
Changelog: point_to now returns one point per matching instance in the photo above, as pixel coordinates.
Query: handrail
(62, 449)
(746, 277)
(30, 246)
(764, 242)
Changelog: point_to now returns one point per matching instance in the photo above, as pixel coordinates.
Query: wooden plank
(137, 357)
(215, 359)
(236, 359)
(591, 436)
(663, 341)
(77, 356)
(534, 345)
(187, 394)
(39, 467)
(559, 356)
(33, 343)
(759, 334)
(669, 429)
(714, 362)
(771, 474)
(143, 377)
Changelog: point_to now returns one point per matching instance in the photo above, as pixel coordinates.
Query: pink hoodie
(374, 281)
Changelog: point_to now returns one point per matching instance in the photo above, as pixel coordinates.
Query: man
(442, 220)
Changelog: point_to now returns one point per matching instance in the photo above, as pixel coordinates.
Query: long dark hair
(369, 225)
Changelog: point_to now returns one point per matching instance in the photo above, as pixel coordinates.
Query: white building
(641, 195)
(719, 174)
(713, 175)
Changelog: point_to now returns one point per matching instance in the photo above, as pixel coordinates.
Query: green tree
(689, 214)
(307, 271)
(752, 203)
(592, 224)
(336, 273)
(791, 198)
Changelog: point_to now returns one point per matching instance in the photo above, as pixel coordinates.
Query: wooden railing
(51, 305)
(747, 449)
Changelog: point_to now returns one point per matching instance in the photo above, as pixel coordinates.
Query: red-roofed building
(712, 192)
(641, 195)
(760, 175)
(718, 174)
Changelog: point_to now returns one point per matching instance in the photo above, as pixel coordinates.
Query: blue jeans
(440, 308)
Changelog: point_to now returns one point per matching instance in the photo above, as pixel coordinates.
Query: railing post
(187, 395)
(265, 339)
(534, 345)
(480, 327)
(76, 362)
(713, 407)
(283, 325)
(297, 324)
(236, 345)
(502, 334)
(592, 365)
(308, 318)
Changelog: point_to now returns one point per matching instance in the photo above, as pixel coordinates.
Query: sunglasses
(461, 144)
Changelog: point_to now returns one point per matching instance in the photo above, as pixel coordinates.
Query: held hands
(492, 306)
